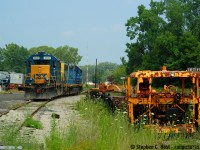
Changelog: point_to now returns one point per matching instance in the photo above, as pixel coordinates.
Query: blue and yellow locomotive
(48, 77)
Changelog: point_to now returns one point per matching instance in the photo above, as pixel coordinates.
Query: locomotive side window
(29, 64)
(54, 64)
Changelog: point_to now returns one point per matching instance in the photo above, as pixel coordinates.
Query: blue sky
(96, 28)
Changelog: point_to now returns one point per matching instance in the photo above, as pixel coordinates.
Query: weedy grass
(30, 122)
(6, 92)
(8, 137)
(99, 128)
(111, 130)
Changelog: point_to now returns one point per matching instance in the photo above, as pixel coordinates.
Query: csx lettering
(40, 76)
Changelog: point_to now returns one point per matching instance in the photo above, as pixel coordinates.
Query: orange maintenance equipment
(168, 100)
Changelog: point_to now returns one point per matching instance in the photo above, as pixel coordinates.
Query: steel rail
(15, 108)
(32, 114)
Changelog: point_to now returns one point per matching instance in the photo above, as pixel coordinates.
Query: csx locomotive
(48, 77)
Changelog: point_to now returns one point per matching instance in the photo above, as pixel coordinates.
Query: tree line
(13, 56)
(167, 33)
(105, 71)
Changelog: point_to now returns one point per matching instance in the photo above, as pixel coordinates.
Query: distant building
(89, 83)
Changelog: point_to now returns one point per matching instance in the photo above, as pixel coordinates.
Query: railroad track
(17, 124)
(15, 108)
(59, 111)
(28, 109)
(33, 113)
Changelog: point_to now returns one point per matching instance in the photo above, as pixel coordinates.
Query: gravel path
(63, 107)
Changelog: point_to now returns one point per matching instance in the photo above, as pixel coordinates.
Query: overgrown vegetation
(8, 137)
(30, 122)
(101, 129)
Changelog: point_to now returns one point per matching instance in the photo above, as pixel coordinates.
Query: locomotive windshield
(43, 62)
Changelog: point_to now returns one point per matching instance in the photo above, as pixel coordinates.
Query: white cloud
(68, 33)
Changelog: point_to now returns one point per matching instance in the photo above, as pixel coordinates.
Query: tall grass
(99, 129)
(110, 131)
(9, 137)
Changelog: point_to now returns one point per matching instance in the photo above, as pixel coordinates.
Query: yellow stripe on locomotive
(40, 73)
(62, 71)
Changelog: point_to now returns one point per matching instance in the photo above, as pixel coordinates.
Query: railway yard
(60, 110)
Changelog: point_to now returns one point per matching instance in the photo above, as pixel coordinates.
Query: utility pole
(87, 67)
(87, 74)
(96, 74)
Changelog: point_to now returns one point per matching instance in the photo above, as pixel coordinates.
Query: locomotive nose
(40, 73)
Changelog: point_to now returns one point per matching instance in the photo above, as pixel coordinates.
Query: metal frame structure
(169, 110)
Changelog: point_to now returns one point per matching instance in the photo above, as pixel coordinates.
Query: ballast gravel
(62, 108)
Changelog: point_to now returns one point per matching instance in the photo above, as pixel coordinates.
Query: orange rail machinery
(112, 94)
(173, 108)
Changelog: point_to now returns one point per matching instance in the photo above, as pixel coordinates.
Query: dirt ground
(8, 101)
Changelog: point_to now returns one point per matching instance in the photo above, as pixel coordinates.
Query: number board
(40, 76)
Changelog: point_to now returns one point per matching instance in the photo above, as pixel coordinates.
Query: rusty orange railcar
(173, 108)
(112, 94)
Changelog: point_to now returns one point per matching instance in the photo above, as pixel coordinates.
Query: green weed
(8, 137)
(30, 122)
